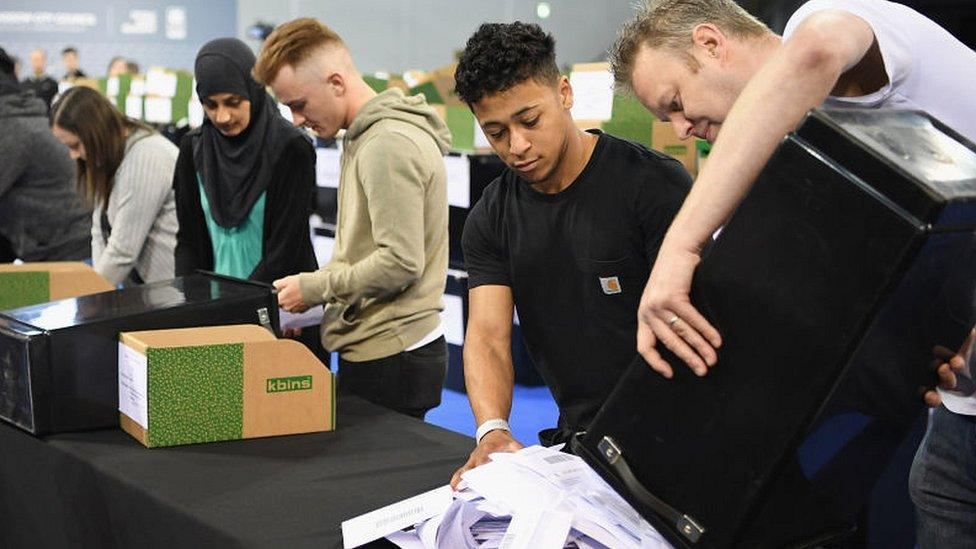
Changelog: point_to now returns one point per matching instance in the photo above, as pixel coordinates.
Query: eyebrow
(516, 114)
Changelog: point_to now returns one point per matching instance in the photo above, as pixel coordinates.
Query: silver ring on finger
(673, 320)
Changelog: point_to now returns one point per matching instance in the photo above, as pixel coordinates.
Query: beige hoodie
(383, 288)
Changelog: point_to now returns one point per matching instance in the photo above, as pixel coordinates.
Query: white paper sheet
(592, 95)
(137, 87)
(161, 83)
(159, 109)
(327, 167)
(311, 317)
(323, 246)
(480, 139)
(133, 107)
(195, 112)
(452, 319)
(382, 522)
(458, 181)
(134, 385)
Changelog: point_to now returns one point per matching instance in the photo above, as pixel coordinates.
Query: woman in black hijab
(244, 180)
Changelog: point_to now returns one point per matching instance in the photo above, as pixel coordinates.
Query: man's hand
(667, 315)
(498, 440)
(290, 294)
(946, 365)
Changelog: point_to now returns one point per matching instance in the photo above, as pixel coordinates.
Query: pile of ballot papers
(535, 498)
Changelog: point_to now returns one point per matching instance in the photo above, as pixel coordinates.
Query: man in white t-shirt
(719, 74)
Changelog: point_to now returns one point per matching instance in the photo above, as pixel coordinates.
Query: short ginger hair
(292, 43)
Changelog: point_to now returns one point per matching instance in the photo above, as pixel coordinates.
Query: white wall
(396, 35)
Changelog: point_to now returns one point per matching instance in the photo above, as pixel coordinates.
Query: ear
(565, 92)
(337, 83)
(709, 42)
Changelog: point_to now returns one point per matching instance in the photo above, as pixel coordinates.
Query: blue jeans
(943, 482)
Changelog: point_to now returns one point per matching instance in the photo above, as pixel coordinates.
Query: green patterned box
(212, 384)
(20, 289)
(27, 284)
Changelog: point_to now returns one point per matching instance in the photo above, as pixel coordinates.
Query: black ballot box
(59, 360)
(852, 256)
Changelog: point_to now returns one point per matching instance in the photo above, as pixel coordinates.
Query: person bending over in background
(125, 171)
(41, 217)
(567, 235)
(383, 288)
(244, 179)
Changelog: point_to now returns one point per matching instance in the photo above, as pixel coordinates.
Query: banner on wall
(118, 20)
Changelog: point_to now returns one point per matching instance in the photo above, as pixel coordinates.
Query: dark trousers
(409, 382)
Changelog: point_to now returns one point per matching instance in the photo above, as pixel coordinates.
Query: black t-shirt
(577, 262)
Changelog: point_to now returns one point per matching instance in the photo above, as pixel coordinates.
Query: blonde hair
(668, 24)
(290, 44)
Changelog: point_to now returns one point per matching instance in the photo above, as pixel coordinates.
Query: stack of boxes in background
(161, 96)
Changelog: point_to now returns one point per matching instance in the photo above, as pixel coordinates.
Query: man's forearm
(489, 379)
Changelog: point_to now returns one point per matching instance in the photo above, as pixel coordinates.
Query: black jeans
(409, 382)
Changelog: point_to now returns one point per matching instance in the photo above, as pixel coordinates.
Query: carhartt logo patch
(610, 285)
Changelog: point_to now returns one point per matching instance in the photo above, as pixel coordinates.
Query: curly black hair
(501, 55)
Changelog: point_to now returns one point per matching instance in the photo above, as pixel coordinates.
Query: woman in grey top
(125, 170)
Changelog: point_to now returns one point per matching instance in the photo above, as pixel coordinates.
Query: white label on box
(452, 319)
(328, 167)
(133, 107)
(160, 82)
(382, 522)
(458, 181)
(592, 95)
(134, 385)
(159, 109)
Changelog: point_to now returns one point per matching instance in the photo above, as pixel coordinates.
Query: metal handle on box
(613, 454)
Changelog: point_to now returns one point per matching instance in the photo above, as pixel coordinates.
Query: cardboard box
(196, 385)
(665, 140)
(31, 283)
(438, 87)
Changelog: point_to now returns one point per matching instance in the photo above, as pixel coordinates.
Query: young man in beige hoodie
(382, 290)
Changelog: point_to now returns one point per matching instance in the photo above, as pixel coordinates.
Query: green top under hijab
(236, 250)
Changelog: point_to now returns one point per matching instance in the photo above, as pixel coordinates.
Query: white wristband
(489, 426)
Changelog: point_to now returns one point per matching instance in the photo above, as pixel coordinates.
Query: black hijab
(236, 170)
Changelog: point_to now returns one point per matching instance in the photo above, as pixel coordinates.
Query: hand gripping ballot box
(851, 258)
(59, 360)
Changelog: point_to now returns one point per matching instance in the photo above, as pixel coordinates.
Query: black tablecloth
(103, 489)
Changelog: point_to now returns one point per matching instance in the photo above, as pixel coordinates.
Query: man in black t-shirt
(567, 235)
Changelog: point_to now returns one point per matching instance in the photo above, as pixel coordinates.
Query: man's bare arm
(488, 373)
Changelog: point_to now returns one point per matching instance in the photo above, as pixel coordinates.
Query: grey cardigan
(141, 212)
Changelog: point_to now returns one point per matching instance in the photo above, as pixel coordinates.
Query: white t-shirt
(928, 69)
